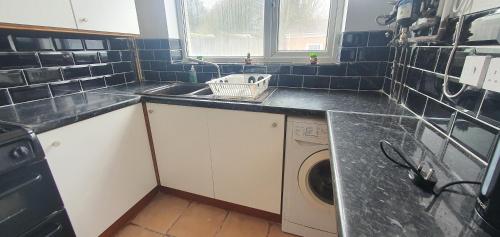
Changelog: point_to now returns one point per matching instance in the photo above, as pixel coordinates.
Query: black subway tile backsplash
(431, 85)
(362, 69)
(86, 57)
(33, 43)
(373, 54)
(232, 68)
(305, 70)
(490, 109)
(371, 83)
(290, 80)
(439, 114)
(5, 45)
(94, 44)
(426, 58)
(355, 39)
(344, 83)
(254, 69)
(68, 44)
(152, 44)
(51, 59)
(379, 38)
(18, 60)
(111, 56)
(348, 54)
(4, 97)
(118, 44)
(475, 135)
(75, 72)
(43, 75)
(115, 79)
(317, 82)
(65, 87)
(11, 78)
(54, 64)
(29, 93)
(93, 83)
(332, 70)
(416, 102)
(101, 70)
(122, 67)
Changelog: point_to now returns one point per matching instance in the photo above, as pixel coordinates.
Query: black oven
(30, 204)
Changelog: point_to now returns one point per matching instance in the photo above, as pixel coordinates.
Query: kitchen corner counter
(374, 197)
(47, 114)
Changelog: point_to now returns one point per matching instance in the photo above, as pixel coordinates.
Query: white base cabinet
(234, 156)
(102, 167)
(182, 150)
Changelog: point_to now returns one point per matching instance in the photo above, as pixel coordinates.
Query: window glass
(225, 27)
(303, 25)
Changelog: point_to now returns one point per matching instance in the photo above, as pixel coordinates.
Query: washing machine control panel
(310, 132)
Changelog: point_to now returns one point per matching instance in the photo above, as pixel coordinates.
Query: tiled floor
(175, 217)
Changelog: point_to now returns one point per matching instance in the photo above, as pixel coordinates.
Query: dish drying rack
(240, 85)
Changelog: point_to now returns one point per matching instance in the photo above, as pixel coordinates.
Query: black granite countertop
(305, 102)
(374, 197)
(47, 114)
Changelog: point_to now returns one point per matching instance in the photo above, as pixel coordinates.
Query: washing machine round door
(315, 179)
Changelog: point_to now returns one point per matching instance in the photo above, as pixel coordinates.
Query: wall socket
(492, 80)
(474, 70)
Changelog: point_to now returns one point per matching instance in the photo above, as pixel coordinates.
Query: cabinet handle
(84, 19)
(150, 111)
(275, 124)
(56, 143)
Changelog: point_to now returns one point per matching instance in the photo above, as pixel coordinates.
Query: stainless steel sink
(199, 91)
(178, 89)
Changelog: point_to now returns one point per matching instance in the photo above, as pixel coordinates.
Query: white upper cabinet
(50, 13)
(110, 15)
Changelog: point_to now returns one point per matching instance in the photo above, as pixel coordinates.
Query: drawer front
(56, 225)
(27, 196)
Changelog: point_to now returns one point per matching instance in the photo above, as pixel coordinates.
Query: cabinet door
(180, 137)
(247, 157)
(102, 166)
(109, 15)
(53, 13)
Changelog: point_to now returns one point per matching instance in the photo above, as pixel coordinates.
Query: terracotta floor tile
(136, 231)
(198, 220)
(241, 225)
(276, 232)
(161, 213)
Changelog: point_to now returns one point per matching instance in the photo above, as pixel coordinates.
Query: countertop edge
(52, 125)
(341, 231)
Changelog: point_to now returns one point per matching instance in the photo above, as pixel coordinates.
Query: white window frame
(331, 54)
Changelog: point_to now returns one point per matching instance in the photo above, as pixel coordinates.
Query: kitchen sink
(178, 89)
(199, 91)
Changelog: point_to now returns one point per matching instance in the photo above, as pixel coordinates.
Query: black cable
(408, 164)
(440, 190)
(412, 167)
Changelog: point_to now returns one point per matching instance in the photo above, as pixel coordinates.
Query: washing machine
(308, 203)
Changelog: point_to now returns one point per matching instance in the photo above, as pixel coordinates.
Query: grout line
(179, 217)
(268, 229)
(223, 222)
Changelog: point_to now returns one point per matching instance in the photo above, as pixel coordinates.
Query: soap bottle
(192, 75)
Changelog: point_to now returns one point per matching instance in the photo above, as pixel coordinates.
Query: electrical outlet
(492, 80)
(474, 70)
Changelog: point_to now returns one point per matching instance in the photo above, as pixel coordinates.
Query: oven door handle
(20, 186)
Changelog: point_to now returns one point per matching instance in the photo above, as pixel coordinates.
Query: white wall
(361, 14)
(152, 19)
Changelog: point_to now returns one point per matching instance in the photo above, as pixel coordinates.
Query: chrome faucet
(206, 62)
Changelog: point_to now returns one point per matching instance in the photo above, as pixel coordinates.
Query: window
(270, 30)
